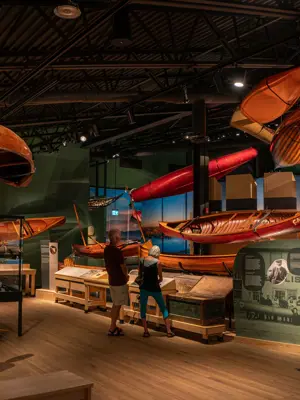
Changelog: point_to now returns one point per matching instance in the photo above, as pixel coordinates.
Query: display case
(11, 260)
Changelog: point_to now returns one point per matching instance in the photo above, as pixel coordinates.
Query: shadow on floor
(8, 364)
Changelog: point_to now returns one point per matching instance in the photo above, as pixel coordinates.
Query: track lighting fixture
(185, 95)
(130, 116)
(83, 138)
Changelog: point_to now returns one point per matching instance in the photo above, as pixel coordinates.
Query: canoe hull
(97, 250)
(31, 227)
(16, 163)
(281, 226)
(182, 181)
(215, 264)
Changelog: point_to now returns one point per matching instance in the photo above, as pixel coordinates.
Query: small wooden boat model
(96, 250)
(16, 164)
(234, 227)
(9, 230)
(214, 264)
(182, 180)
(99, 202)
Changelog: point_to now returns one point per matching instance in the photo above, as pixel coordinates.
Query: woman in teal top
(151, 276)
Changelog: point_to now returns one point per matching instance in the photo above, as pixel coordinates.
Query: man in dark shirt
(117, 277)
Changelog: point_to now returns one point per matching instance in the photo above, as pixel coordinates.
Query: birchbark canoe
(97, 250)
(9, 230)
(182, 180)
(16, 164)
(234, 226)
(210, 264)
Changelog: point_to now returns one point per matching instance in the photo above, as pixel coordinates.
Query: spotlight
(223, 136)
(83, 138)
(173, 141)
(238, 84)
(64, 143)
(185, 95)
(237, 134)
(130, 116)
(187, 137)
(115, 156)
(70, 10)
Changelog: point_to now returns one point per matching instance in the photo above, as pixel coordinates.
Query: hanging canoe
(99, 202)
(182, 180)
(272, 97)
(215, 265)
(234, 227)
(241, 122)
(285, 147)
(9, 230)
(16, 164)
(130, 249)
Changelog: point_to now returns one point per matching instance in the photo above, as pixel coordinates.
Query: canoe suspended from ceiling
(285, 147)
(182, 180)
(99, 202)
(9, 230)
(16, 164)
(272, 97)
(129, 249)
(214, 265)
(234, 227)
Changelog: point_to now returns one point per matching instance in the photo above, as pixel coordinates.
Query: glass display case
(11, 260)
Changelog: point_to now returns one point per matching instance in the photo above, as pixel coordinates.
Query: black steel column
(201, 181)
(105, 178)
(97, 178)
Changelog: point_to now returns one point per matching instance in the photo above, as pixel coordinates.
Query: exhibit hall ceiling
(121, 76)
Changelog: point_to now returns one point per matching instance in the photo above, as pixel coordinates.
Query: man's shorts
(119, 295)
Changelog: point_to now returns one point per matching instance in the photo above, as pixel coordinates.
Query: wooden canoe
(182, 180)
(214, 264)
(97, 250)
(16, 164)
(285, 147)
(234, 226)
(9, 230)
(272, 97)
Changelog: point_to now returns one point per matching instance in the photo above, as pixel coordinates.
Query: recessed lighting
(70, 10)
(83, 138)
(238, 84)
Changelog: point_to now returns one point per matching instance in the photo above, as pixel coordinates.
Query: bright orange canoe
(16, 164)
(9, 230)
(97, 250)
(272, 97)
(213, 264)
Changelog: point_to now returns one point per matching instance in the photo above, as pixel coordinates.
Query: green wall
(154, 166)
(60, 179)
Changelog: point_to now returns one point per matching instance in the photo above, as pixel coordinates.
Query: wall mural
(267, 291)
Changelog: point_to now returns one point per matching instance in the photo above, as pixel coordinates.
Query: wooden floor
(58, 337)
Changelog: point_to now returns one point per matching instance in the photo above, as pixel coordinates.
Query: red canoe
(272, 97)
(9, 230)
(16, 164)
(234, 226)
(182, 181)
(97, 250)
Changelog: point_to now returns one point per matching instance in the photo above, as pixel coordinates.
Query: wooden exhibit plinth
(62, 385)
(241, 192)
(70, 286)
(280, 191)
(13, 269)
(204, 331)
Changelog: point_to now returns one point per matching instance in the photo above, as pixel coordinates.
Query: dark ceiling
(61, 79)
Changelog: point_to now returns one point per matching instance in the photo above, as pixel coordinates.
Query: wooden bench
(62, 385)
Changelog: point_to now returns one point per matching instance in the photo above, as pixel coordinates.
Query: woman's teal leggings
(158, 297)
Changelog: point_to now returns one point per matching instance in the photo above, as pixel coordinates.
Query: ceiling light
(238, 84)
(187, 137)
(173, 141)
(237, 134)
(70, 10)
(64, 143)
(83, 138)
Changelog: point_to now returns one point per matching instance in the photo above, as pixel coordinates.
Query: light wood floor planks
(58, 337)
